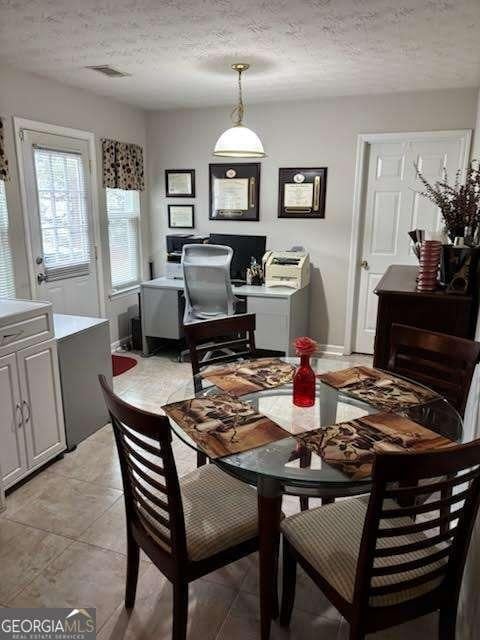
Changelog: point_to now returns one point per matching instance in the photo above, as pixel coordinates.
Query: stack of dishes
(430, 251)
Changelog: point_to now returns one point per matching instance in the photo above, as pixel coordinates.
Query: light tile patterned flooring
(62, 543)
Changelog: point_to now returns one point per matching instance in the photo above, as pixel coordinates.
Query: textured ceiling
(178, 51)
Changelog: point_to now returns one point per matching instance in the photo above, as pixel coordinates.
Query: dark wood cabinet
(400, 302)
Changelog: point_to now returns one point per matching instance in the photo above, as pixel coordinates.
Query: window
(63, 207)
(7, 283)
(123, 210)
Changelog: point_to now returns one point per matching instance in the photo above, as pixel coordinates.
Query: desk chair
(188, 527)
(378, 565)
(228, 338)
(444, 363)
(208, 288)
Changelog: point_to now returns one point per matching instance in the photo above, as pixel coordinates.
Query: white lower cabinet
(13, 454)
(41, 402)
(31, 415)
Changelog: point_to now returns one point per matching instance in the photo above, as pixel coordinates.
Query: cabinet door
(41, 402)
(271, 322)
(13, 460)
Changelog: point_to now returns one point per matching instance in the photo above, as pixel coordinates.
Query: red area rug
(120, 364)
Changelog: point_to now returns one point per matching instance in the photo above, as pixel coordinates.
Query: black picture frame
(170, 194)
(249, 171)
(295, 176)
(171, 213)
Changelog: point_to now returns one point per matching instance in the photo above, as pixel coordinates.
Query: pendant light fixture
(239, 141)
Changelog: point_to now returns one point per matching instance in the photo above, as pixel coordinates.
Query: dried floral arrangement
(459, 203)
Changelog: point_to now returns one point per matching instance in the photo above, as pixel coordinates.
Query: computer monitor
(244, 248)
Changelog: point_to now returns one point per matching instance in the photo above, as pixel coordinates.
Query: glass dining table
(284, 467)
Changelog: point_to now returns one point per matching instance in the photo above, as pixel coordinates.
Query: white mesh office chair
(207, 284)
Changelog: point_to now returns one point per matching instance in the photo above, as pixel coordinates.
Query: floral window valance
(122, 165)
(3, 156)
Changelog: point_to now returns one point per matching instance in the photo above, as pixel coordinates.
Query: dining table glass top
(287, 460)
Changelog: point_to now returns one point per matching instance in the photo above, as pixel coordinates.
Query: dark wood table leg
(269, 515)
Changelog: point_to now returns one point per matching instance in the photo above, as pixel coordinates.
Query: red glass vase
(304, 383)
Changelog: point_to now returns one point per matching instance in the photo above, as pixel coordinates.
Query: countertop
(66, 325)
(401, 279)
(246, 290)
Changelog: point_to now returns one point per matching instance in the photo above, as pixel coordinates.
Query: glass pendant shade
(239, 142)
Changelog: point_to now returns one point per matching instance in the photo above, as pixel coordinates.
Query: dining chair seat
(220, 512)
(329, 538)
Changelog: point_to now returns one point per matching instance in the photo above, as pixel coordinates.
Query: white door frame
(88, 136)
(363, 141)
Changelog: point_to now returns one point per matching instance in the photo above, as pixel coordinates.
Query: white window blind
(7, 283)
(123, 210)
(63, 207)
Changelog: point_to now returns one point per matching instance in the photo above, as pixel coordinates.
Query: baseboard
(331, 349)
(119, 343)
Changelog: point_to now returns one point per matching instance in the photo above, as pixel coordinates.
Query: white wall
(29, 96)
(321, 133)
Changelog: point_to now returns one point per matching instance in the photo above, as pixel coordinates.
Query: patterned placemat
(221, 424)
(351, 446)
(241, 378)
(381, 390)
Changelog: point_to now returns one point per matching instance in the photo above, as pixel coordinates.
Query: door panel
(393, 207)
(385, 222)
(13, 461)
(60, 218)
(40, 390)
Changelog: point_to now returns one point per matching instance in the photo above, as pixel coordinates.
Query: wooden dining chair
(227, 339)
(381, 564)
(439, 361)
(188, 527)
(218, 341)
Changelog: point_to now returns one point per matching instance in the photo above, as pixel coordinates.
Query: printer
(286, 269)
(175, 242)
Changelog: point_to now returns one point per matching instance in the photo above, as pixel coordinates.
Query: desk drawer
(25, 333)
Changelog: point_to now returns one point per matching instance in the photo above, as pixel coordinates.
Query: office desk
(281, 312)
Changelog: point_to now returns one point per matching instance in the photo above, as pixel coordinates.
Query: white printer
(286, 269)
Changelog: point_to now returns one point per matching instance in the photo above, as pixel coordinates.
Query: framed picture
(301, 192)
(181, 216)
(234, 191)
(180, 183)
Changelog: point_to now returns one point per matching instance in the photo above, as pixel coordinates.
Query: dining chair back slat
(444, 363)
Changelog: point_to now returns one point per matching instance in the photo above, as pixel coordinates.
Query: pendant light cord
(239, 110)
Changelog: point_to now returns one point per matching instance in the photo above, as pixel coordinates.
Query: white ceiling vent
(109, 71)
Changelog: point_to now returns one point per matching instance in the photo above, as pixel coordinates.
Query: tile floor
(62, 543)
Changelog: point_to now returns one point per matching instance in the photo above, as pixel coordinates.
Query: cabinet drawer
(25, 333)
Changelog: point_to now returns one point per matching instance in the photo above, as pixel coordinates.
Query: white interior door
(58, 196)
(393, 207)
